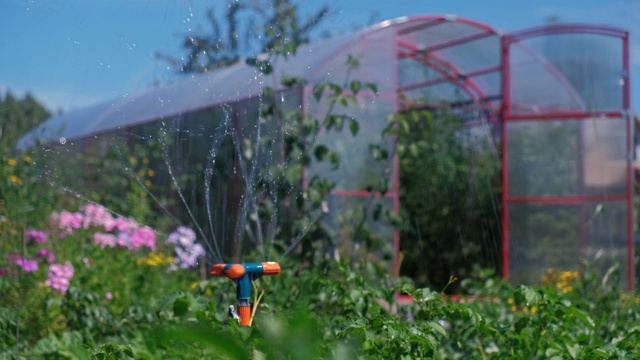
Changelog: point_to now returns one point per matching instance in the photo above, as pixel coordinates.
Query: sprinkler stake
(243, 275)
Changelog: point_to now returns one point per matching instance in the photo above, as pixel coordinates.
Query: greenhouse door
(567, 154)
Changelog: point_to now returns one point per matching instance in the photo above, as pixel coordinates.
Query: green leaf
(372, 87)
(181, 306)
(352, 61)
(335, 122)
(44, 346)
(321, 152)
(437, 327)
(335, 88)
(529, 295)
(378, 152)
(318, 91)
(128, 351)
(292, 81)
(354, 127)
(263, 65)
(355, 86)
(334, 159)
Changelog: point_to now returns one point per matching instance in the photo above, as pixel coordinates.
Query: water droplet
(63, 140)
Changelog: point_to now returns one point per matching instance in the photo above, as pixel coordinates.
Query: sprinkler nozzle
(244, 275)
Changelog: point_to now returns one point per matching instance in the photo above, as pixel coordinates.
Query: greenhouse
(554, 100)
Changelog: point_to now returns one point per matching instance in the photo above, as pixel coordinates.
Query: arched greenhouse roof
(436, 57)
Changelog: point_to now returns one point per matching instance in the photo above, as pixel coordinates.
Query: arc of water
(248, 201)
(208, 174)
(165, 156)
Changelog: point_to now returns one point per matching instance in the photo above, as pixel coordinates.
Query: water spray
(244, 275)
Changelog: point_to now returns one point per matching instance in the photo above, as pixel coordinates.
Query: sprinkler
(244, 275)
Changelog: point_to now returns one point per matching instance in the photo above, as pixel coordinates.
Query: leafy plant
(450, 186)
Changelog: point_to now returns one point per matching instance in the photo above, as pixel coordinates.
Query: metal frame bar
(626, 104)
(470, 74)
(568, 199)
(396, 161)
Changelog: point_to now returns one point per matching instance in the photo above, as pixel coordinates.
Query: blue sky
(74, 53)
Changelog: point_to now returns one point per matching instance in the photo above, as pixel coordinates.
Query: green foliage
(450, 188)
(331, 311)
(20, 174)
(17, 116)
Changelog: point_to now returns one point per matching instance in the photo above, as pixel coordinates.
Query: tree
(17, 116)
(279, 23)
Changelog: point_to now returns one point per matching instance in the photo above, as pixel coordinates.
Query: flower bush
(79, 271)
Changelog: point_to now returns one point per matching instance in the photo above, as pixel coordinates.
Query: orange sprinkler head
(232, 271)
(271, 268)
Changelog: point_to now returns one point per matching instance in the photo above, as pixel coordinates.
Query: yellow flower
(155, 259)
(151, 173)
(15, 179)
(132, 160)
(140, 173)
(147, 183)
(12, 162)
(145, 161)
(562, 280)
(27, 158)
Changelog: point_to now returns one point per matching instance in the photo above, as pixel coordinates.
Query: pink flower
(125, 225)
(59, 277)
(144, 236)
(108, 295)
(35, 236)
(95, 215)
(47, 254)
(104, 239)
(27, 265)
(67, 221)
